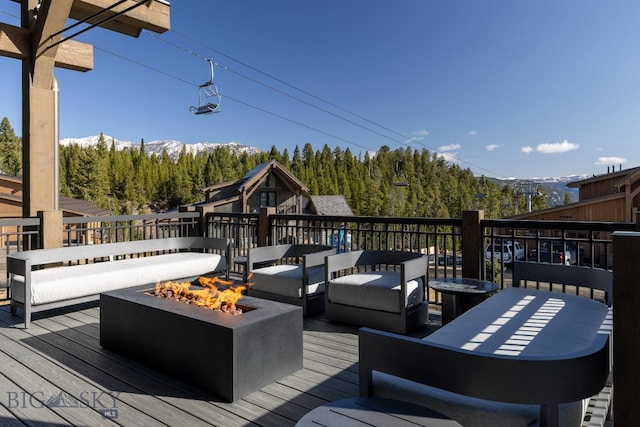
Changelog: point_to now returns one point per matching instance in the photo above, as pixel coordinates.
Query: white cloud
(557, 147)
(450, 147)
(527, 150)
(417, 135)
(449, 157)
(610, 160)
(472, 133)
(492, 147)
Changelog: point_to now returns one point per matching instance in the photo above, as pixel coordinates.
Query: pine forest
(400, 182)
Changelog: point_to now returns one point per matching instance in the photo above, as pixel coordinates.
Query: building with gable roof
(611, 197)
(267, 185)
(11, 201)
(328, 206)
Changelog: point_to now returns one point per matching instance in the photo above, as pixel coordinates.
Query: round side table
(459, 294)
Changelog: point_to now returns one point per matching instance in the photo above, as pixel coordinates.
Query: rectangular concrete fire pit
(229, 356)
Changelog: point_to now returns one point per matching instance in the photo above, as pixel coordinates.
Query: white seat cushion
(376, 290)
(67, 282)
(286, 280)
(470, 411)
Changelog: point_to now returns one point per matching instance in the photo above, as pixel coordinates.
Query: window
(269, 182)
(268, 199)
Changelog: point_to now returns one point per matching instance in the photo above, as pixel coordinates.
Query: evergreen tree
(10, 149)
(400, 182)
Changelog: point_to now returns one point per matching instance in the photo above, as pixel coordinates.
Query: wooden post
(51, 229)
(472, 245)
(38, 104)
(626, 327)
(264, 227)
(203, 211)
(38, 44)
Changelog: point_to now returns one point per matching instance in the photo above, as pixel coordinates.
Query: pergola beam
(153, 16)
(15, 42)
(42, 43)
(45, 35)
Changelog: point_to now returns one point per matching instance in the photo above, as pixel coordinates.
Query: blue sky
(505, 88)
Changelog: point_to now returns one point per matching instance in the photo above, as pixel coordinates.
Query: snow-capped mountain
(555, 187)
(172, 147)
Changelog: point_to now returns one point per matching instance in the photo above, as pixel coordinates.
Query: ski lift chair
(401, 179)
(208, 96)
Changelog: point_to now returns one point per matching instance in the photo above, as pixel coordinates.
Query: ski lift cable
(263, 73)
(226, 68)
(89, 18)
(97, 24)
(267, 111)
(273, 88)
(234, 99)
(9, 14)
(284, 82)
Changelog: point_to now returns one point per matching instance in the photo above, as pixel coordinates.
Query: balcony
(56, 372)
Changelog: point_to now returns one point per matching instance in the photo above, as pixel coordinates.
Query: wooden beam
(74, 55)
(15, 42)
(45, 35)
(153, 16)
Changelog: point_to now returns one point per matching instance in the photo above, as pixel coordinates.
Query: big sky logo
(104, 402)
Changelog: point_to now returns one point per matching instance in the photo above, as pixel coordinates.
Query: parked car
(449, 260)
(505, 251)
(551, 252)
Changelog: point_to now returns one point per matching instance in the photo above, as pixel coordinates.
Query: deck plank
(61, 352)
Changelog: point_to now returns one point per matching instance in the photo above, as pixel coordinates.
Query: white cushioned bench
(48, 278)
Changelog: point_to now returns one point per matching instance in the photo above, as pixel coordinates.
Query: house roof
(329, 206)
(231, 190)
(621, 174)
(80, 207)
(66, 204)
(258, 173)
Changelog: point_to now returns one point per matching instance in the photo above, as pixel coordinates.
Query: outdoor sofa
(42, 279)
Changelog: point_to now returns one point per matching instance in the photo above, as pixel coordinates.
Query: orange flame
(215, 295)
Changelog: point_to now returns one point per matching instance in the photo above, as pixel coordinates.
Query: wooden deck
(56, 374)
